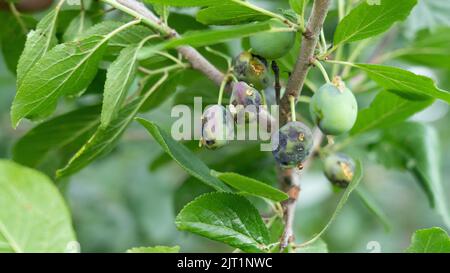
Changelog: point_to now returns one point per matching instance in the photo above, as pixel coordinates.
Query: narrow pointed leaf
(183, 156)
(67, 69)
(207, 37)
(39, 42)
(102, 141)
(251, 186)
(119, 78)
(229, 13)
(369, 19)
(105, 139)
(404, 82)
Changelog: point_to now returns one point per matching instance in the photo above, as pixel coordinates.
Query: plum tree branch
(303, 63)
(197, 61)
(293, 89)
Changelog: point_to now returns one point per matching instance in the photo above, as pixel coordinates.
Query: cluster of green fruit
(333, 109)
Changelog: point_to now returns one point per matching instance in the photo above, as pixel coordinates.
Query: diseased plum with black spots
(245, 100)
(292, 144)
(252, 69)
(339, 169)
(217, 127)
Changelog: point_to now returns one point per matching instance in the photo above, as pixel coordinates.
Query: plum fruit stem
(322, 70)
(292, 101)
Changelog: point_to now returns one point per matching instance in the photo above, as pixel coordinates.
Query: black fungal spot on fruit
(339, 168)
(245, 100)
(292, 144)
(252, 69)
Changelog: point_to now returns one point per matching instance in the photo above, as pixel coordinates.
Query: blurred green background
(123, 201)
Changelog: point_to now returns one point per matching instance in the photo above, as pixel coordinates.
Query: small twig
(276, 72)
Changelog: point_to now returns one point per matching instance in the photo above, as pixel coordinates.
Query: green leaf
(231, 13)
(33, 215)
(102, 141)
(387, 109)
(105, 139)
(251, 186)
(351, 187)
(77, 27)
(319, 246)
(415, 147)
(74, 127)
(225, 217)
(130, 36)
(298, 5)
(276, 229)
(368, 20)
(221, 12)
(403, 82)
(207, 37)
(39, 42)
(119, 78)
(429, 49)
(431, 240)
(155, 249)
(67, 69)
(183, 156)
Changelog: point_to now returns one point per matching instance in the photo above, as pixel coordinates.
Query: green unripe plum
(252, 69)
(339, 169)
(272, 45)
(334, 108)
